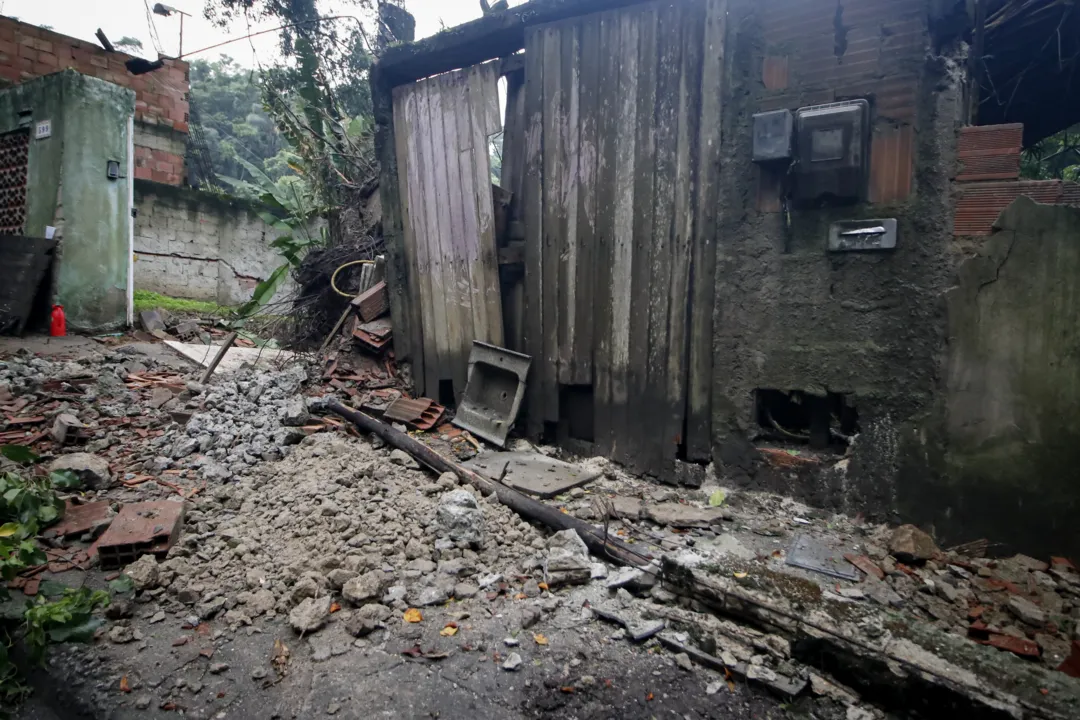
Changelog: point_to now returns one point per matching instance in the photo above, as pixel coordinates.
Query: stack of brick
(988, 178)
(161, 96)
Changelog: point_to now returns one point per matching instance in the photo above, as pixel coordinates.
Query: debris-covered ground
(318, 571)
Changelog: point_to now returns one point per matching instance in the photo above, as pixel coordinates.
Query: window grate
(14, 157)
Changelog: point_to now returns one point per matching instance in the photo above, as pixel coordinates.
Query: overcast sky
(119, 18)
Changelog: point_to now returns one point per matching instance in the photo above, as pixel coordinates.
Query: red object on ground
(58, 326)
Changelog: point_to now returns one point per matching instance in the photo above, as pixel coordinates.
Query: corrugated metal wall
(622, 117)
(442, 126)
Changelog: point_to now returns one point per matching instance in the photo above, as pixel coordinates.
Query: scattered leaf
(542, 586)
(649, 697)
(413, 615)
(739, 575)
(520, 596)
(8, 529)
(221, 694)
(18, 454)
(1044, 691)
(717, 498)
(563, 510)
(731, 685)
(280, 659)
(540, 639)
(124, 687)
(607, 682)
(122, 584)
(334, 607)
(448, 631)
(414, 651)
(568, 689)
(65, 480)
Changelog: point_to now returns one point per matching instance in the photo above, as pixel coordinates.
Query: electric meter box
(772, 135)
(833, 151)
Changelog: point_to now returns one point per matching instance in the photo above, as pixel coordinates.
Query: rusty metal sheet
(140, 529)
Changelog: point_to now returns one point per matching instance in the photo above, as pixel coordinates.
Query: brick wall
(820, 53)
(161, 97)
(199, 245)
(988, 179)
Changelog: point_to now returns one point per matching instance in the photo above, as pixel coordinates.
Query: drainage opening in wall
(820, 421)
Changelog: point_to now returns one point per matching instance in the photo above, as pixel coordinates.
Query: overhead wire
(153, 28)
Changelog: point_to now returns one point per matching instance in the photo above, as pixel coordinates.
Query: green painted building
(74, 135)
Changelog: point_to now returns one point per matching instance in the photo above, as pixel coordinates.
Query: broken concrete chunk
(296, 413)
(404, 459)
(1027, 611)
(910, 544)
(159, 396)
(151, 321)
(92, 470)
(310, 615)
(143, 572)
(678, 515)
(568, 559)
(459, 517)
(366, 588)
(682, 660)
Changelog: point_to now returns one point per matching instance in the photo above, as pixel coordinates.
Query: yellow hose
(333, 277)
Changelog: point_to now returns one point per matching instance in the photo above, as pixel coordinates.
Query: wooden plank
(669, 72)
(459, 296)
(513, 150)
(607, 121)
(588, 88)
(532, 199)
(391, 151)
(638, 427)
(405, 306)
(568, 163)
(623, 245)
(554, 218)
(429, 196)
(455, 366)
(706, 222)
(419, 152)
(467, 166)
(484, 109)
(686, 157)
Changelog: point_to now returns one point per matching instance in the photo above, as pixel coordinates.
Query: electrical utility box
(772, 135)
(833, 148)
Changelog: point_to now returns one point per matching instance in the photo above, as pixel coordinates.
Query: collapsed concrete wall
(200, 245)
(1012, 388)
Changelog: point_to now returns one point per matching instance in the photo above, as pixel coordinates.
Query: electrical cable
(333, 278)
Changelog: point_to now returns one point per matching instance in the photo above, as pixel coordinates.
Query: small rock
(530, 617)
(121, 634)
(143, 572)
(1027, 611)
(218, 668)
(910, 544)
(339, 576)
(208, 610)
(683, 661)
(713, 687)
(598, 571)
(459, 517)
(119, 609)
(259, 673)
(366, 588)
(333, 708)
(404, 459)
(511, 642)
(142, 702)
(465, 590)
(92, 470)
(296, 413)
(310, 615)
(513, 662)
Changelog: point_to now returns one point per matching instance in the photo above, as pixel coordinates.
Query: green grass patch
(146, 300)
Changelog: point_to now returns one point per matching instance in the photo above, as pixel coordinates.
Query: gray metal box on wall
(833, 147)
(772, 135)
(862, 235)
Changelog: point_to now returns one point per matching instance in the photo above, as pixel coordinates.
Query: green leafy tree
(1053, 158)
(128, 44)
